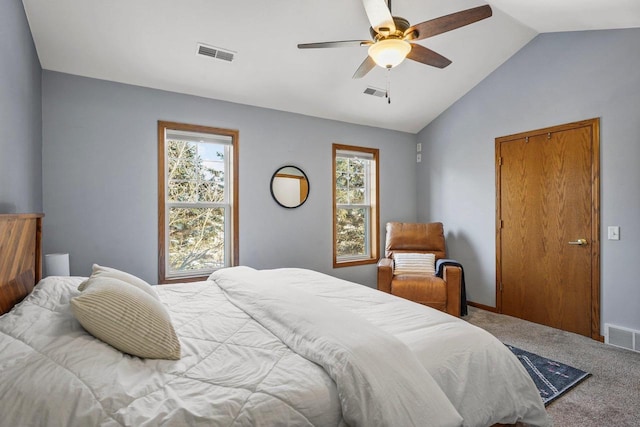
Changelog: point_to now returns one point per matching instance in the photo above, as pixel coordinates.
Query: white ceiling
(152, 43)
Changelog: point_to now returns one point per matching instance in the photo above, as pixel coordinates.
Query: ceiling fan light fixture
(389, 53)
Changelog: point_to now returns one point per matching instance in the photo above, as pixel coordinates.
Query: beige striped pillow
(100, 271)
(413, 263)
(126, 318)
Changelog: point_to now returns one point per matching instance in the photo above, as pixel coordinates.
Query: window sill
(355, 262)
(184, 279)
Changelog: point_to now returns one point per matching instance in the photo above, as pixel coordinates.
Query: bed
(258, 347)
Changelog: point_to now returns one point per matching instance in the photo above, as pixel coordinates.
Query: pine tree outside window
(355, 205)
(197, 203)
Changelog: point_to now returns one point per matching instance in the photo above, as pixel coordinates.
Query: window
(197, 201)
(355, 205)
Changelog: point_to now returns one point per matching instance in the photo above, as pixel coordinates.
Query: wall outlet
(419, 146)
(419, 158)
(613, 232)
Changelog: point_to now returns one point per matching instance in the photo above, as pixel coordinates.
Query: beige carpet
(610, 397)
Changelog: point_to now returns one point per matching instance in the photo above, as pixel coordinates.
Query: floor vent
(622, 337)
(375, 92)
(215, 52)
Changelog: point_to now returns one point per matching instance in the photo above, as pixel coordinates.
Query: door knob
(579, 242)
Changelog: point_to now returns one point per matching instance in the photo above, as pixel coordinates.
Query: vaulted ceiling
(153, 43)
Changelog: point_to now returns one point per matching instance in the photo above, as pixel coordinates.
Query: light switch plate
(613, 232)
(419, 158)
(419, 146)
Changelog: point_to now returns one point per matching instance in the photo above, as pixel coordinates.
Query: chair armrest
(453, 276)
(385, 274)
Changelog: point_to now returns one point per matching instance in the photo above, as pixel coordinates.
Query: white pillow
(412, 263)
(100, 271)
(126, 318)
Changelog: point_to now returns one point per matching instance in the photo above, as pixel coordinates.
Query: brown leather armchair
(440, 293)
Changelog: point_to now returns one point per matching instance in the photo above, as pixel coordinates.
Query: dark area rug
(552, 378)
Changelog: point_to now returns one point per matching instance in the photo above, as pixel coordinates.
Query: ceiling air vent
(375, 92)
(216, 52)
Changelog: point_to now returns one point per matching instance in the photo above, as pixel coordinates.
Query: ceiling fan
(393, 36)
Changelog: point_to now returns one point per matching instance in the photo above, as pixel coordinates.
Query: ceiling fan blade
(379, 15)
(446, 23)
(341, 43)
(367, 65)
(427, 56)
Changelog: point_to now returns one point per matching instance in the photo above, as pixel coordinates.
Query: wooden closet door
(548, 230)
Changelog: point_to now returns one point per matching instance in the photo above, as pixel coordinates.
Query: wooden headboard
(20, 257)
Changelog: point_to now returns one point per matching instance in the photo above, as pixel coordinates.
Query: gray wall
(20, 114)
(557, 78)
(100, 176)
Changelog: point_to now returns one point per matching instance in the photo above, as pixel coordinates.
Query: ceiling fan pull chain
(388, 94)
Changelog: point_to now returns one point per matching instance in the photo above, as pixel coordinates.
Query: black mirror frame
(305, 177)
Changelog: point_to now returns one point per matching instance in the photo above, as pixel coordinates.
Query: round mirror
(289, 187)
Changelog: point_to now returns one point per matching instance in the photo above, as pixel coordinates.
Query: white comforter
(380, 381)
(235, 371)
